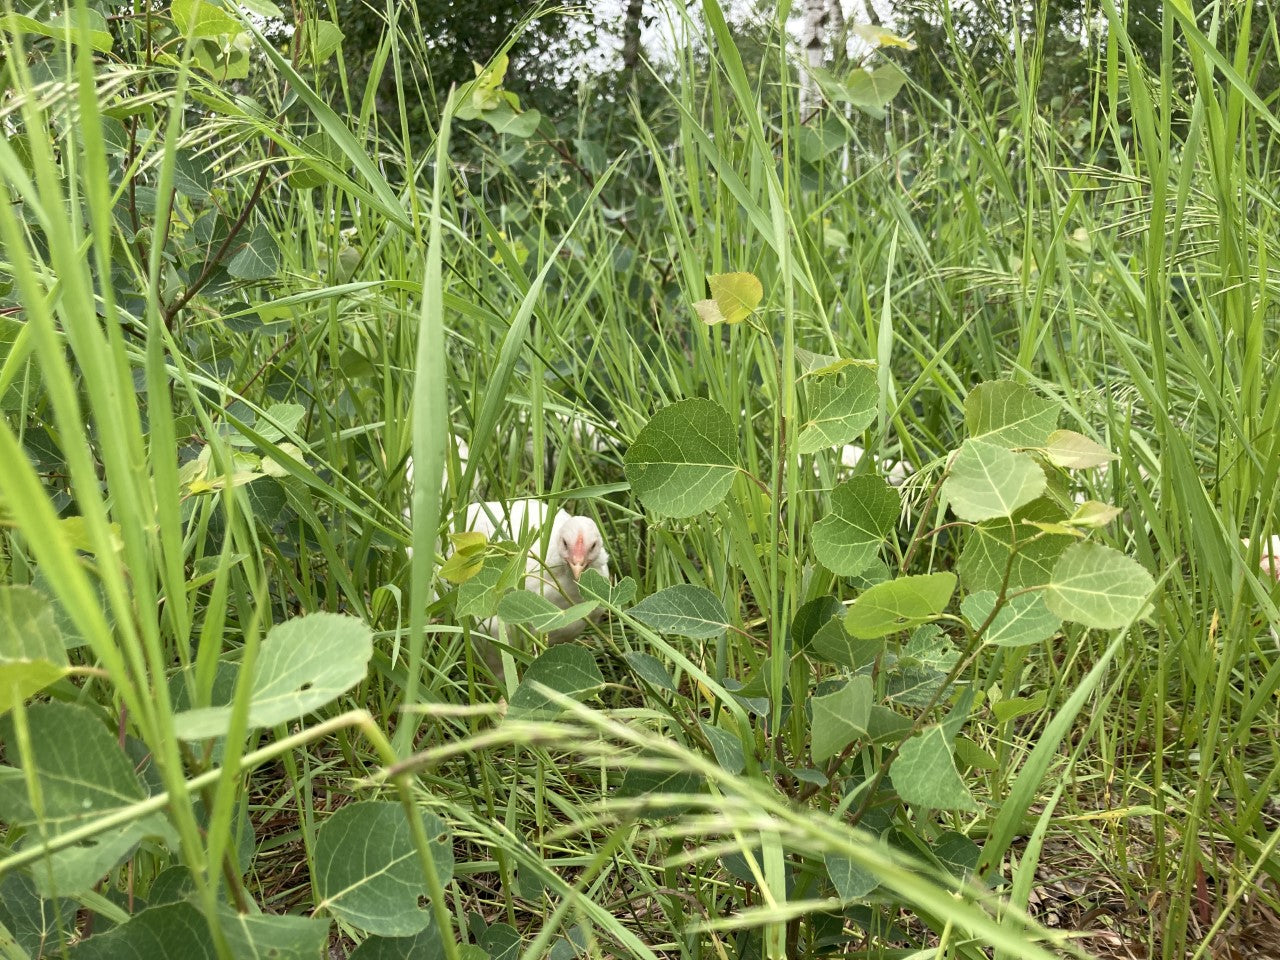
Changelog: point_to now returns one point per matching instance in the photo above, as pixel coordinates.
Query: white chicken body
(573, 545)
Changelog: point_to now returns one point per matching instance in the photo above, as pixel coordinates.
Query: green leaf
(191, 177)
(987, 481)
(565, 668)
(317, 162)
(223, 58)
(1093, 515)
(32, 653)
(258, 258)
(479, 596)
(1014, 707)
(812, 617)
(832, 644)
(540, 615)
(1098, 587)
(263, 8)
(734, 297)
(684, 459)
(925, 774)
(872, 90)
(303, 664)
(1066, 448)
(685, 610)
(899, 604)
(198, 18)
(957, 852)
(969, 754)
(886, 725)
(985, 557)
(324, 39)
(868, 90)
(644, 781)
(174, 931)
(839, 407)
(851, 881)
(83, 775)
(35, 923)
(840, 718)
(485, 91)
(726, 746)
(59, 27)
(863, 512)
(467, 558)
(595, 587)
(1024, 619)
(426, 944)
(277, 937)
(1009, 415)
(518, 123)
(367, 871)
(651, 670)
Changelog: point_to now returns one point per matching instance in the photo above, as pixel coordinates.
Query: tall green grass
(502, 302)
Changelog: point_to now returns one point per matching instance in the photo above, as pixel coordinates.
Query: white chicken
(573, 546)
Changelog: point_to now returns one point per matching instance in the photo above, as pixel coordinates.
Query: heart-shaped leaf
(467, 558)
(1066, 448)
(684, 459)
(726, 746)
(985, 560)
(685, 610)
(533, 610)
(83, 775)
(259, 257)
(864, 510)
(851, 881)
(651, 670)
(426, 944)
(900, 604)
(595, 587)
(832, 644)
(839, 407)
(567, 669)
(1093, 515)
(304, 663)
(178, 931)
(1024, 619)
(925, 774)
(987, 481)
(734, 296)
(367, 871)
(38, 926)
(1009, 415)
(841, 717)
(1098, 587)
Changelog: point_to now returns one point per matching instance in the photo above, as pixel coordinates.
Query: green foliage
(987, 481)
(863, 513)
(304, 664)
(684, 610)
(367, 871)
(32, 654)
(83, 776)
(230, 310)
(564, 670)
(684, 459)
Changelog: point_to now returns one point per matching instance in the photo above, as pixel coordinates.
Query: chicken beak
(577, 566)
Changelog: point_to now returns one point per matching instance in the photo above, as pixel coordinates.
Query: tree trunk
(631, 35)
(839, 38)
(813, 41)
